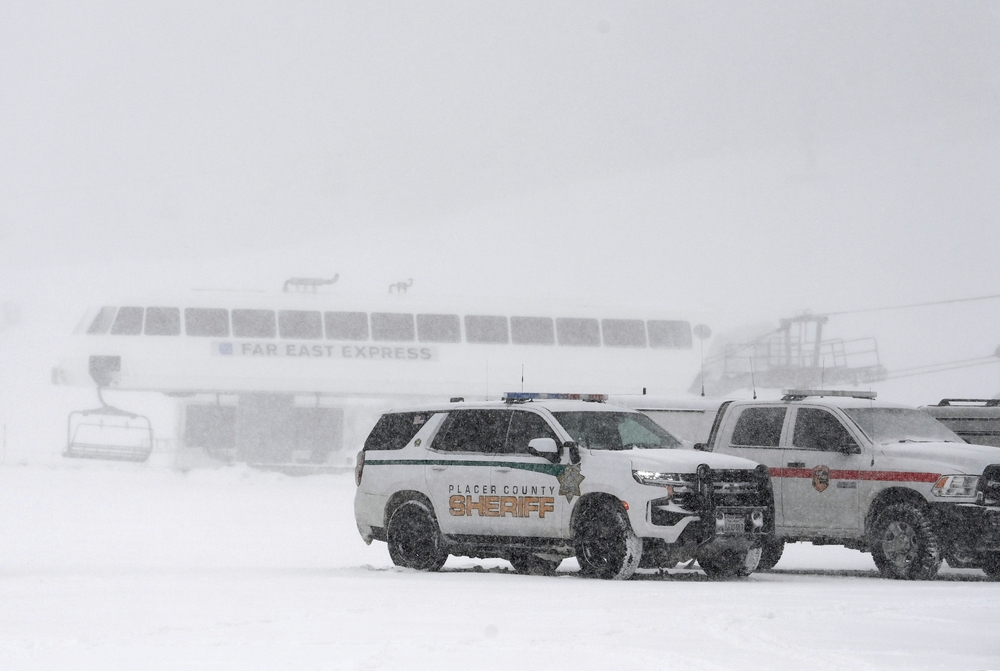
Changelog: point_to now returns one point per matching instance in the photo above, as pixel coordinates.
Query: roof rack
(799, 394)
(524, 396)
(987, 402)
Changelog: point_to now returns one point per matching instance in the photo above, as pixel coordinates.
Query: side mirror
(701, 447)
(545, 448)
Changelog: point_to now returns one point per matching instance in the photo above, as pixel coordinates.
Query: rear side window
(759, 427)
(128, 322)
(163, 321)
(473, 431)
(394, 431)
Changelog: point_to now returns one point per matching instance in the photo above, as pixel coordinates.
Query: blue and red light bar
(522, 396)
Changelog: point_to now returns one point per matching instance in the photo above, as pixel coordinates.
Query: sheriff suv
(887, 479)
(536, 478)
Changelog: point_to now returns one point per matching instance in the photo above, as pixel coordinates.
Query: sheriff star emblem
(569, 482)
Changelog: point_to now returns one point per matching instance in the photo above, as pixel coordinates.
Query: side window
(128, 322)
(346, 325)
(438, 328)
(524, 427)
(819, 430)
(395, 430)
(163, 321)
(473, 431)
(532, 331)
(206, 322)
(486, 329)
(759, 427)
(578, 332)
(669, 335)
(102, 322)
(254, 324)
(303, 324)
(623, 332)
(392, 326)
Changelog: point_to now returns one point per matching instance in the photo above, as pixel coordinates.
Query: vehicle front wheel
(527, 563)
(414, 538)
(903, 543)
(770, 555)
(991, 565)
(731, 563)
(606, 546)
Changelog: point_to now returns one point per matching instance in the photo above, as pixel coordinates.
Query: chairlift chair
(108, 433)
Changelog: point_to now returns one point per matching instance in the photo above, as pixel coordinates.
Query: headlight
(674, 481)
(956, 485)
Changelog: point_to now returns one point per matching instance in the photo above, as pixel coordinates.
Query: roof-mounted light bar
(524, 396)
(799, 394)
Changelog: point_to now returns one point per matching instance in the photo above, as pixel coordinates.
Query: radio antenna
(753, 384)
(522, 377)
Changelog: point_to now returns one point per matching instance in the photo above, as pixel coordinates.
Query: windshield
(900, 425)
(615, 430)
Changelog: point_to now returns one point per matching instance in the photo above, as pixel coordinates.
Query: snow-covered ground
(118, 566)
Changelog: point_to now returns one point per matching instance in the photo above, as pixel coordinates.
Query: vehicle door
(823, 464)
(755, 434)
(459, 469)
(530, 504)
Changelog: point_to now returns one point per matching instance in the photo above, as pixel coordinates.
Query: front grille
(989, 486)
(739, 487)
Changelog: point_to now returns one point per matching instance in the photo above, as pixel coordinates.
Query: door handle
(502, 469)
(796, 464)
(438, 468)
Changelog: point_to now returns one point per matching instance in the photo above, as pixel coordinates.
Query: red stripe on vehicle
(881, 476)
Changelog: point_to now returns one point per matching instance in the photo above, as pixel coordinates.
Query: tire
(527, 563)
(991, 565)
(770, 555)
(606, 546)
(414, 538)
(903, 543)
(731, 563)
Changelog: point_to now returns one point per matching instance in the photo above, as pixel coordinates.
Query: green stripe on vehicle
(548, 469)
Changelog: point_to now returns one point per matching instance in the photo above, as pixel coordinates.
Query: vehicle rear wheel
(770, 555)
(606, 546)
(904, 545)
(527, 563)
(991, 565)
(730, 563)
(414, 538)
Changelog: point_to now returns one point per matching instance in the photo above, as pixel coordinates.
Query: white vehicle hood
(685, 461)
(944, 458)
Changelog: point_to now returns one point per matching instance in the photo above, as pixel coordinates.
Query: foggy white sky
(757, 158)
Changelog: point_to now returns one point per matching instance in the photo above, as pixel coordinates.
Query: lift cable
(913, 305)
(986, 362)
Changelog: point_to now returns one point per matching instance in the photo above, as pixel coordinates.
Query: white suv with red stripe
(883, 478)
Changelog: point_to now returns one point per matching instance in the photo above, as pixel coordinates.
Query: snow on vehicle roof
(550, 405)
